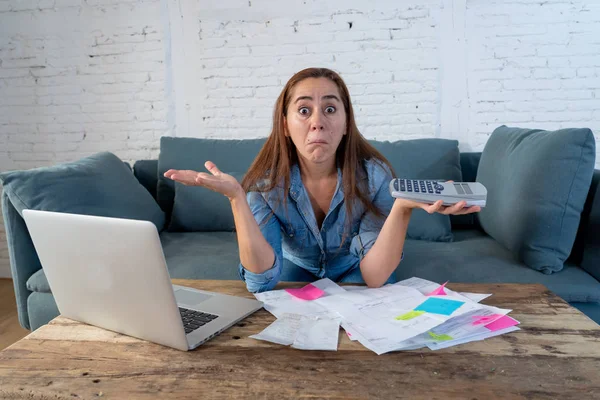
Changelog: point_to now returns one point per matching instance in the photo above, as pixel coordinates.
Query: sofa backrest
(146, 172)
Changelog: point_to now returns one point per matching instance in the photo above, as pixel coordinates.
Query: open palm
(216, 181)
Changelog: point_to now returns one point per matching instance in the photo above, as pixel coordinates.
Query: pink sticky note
(481, 319)
(439, 291)
(502, 323)
(308, 292)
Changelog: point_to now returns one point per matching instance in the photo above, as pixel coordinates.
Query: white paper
(280, 302)
(282, 331)
(476, 297)
(369, 316)
(328, 286)
(320, 334)
(472, 338)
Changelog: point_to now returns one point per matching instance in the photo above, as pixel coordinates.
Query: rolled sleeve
(370, 224)
(271, 230)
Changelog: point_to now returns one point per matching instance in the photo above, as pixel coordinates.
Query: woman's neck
(317, 172)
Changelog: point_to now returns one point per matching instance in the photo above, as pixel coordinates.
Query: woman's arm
(256, 254)
(380, 242)
(385, 254)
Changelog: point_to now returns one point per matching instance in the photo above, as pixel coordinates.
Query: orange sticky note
(308, 292)
(439, 291)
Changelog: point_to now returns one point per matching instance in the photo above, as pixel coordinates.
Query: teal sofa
(465, 253)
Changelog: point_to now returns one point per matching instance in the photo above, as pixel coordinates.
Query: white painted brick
(581, 105)
(66, 3)
(23, 5)
(511, 52)
(545, 73)
(57, 90)
(564, 116)
(5, 6)
(527, 64)
(567, 50)
(588, 83)
(588, 72)
(17, 101)
(45, 4)
(564, 94)
(584, 61)
(526, 84)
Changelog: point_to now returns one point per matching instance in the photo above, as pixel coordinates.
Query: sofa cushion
(192, 153)
(100, 185)
(198, 209)
(537, 183)
(468, 166)
(145, 172)
(589, 239)
(201, 255)
(38, 282)
(189, 255)
(42, 309)
(425, 159)
(475, 257)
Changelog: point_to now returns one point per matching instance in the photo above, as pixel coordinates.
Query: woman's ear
(285, 128)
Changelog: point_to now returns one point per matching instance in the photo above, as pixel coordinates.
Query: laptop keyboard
(193, 320)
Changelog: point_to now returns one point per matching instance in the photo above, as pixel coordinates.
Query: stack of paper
(410, 314)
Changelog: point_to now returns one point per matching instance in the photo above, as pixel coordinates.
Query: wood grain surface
(555, 355)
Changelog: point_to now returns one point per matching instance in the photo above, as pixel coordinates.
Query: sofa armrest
(24, 260)
(588, 239)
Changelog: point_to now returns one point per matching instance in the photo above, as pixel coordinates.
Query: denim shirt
(292, 231)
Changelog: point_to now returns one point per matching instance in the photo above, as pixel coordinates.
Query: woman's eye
(304, 111)
(330, 110)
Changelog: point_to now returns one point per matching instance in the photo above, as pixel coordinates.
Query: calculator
(430, 191)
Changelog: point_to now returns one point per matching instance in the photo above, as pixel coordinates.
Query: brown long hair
(278, 154)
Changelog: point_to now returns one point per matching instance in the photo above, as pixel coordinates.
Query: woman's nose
(317, 122)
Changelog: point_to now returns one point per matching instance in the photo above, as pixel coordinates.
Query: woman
(315, 202)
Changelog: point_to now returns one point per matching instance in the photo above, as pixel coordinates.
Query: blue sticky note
(435, 305)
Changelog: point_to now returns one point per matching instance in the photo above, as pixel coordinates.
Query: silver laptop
(111, 272)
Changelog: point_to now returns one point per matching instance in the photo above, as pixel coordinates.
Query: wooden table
(555, 355)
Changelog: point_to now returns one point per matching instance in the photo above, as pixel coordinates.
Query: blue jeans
(290, 272)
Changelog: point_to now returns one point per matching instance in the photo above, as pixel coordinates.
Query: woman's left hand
(459, 208)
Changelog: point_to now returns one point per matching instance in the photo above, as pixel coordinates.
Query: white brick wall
(445, 68)
(533, 65)
(232, 58)
(78, 77)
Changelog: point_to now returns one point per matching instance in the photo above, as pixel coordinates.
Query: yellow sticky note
(439, 338)
(409, 315)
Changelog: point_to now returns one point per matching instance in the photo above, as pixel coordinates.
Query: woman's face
(315, 119)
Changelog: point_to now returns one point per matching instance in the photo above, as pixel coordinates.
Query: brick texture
(77, 77)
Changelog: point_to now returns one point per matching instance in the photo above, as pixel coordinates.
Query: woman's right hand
(216, 181)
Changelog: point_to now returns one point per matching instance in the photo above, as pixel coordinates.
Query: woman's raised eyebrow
(326, 97)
